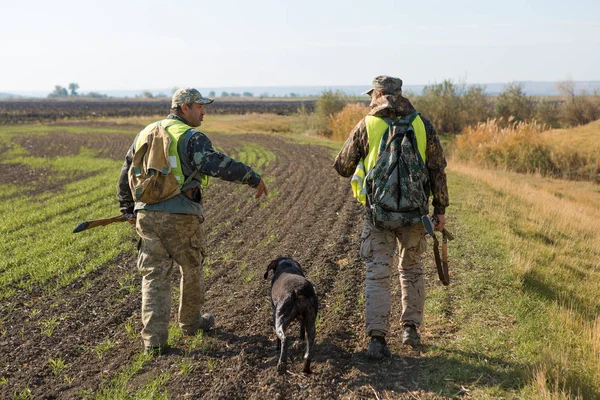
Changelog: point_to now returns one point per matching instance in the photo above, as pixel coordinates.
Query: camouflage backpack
(398, 185)
(151, 179)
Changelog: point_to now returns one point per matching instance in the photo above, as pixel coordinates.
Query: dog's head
(284, 263)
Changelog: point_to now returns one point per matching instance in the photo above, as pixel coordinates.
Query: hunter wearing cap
(401, 229)
(170, 230)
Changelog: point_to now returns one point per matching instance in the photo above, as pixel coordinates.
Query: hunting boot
(410, 336)
(378, 348)
(206, 322)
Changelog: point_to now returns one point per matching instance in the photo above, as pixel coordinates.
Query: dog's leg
(302, 330)
(284, 341)
(309, 317)
(274, 325)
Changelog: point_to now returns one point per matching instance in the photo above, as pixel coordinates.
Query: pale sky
(148, 44)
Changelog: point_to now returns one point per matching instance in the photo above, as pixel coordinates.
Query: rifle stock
(102, 222)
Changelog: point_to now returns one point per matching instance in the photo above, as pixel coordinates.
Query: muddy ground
(310, 216)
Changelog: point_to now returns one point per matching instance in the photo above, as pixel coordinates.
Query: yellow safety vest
(176, 129)
(376, 127)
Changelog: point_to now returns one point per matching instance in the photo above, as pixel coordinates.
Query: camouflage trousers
(167, 239)
(378, 247)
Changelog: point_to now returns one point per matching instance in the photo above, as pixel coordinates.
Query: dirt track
(310, 216)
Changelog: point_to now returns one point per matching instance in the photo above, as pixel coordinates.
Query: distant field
(35, 111)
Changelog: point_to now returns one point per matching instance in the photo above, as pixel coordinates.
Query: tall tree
(73, 88)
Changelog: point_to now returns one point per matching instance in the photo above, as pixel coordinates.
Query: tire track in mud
(313, 218)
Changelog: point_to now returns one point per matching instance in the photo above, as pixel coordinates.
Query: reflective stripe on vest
(176, 129)
(376, 127)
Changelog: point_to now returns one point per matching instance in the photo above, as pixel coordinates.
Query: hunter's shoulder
(196, 138)
(429, 128)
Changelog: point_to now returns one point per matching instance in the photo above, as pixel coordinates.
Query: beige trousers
(377, 248)
(167, 239)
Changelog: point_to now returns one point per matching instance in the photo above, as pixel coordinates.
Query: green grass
(518, 332)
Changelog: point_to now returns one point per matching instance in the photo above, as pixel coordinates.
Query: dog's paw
(307, 369)
(281, 368)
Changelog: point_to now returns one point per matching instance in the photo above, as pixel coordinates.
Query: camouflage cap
(188, 96)
(388, 85)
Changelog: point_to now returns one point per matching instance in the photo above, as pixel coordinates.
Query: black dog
(292, 297)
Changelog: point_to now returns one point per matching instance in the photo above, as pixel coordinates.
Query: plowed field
(309, 215)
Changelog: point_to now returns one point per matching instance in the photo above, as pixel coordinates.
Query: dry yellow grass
(585, 138)
(551, 227)
(341, 123)
(527, 147)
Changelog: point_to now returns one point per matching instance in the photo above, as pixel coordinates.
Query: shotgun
(440, 262)
(106, 221)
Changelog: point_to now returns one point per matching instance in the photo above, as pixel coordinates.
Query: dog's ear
(272, 266)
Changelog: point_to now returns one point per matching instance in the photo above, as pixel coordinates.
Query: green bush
(514, 105)
(327, 105)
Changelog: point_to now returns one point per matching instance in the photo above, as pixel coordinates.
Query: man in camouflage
(170, 231)
(378, 245)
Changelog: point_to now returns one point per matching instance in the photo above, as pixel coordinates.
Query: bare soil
(310, 215)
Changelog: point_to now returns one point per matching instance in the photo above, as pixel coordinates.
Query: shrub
(341, 123)
(578, 109)
(547, 112)
(327, 105)
(514, 105)
(442, 104)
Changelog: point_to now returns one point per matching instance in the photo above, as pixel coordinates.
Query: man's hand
(441, 222)
(130, 218)
(260, 189)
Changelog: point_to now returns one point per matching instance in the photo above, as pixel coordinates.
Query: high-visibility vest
(376, 127)
(176, 129)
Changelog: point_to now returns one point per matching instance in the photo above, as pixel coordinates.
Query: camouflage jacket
(356, 147)
(196, 153)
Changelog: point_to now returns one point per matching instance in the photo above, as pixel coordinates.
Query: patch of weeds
(127, 283)
(186, 366)
(3, 381)
(175, 334)
(208, 272)
(48, 326)
(154, 389)
(25, 394)
(103, 347)
(116, 387)
(211, 363)
(318, 322)
(34, 312)
(248, 276)
(57, 366)
(132, 332)
(69, 380)
(198, 343)
(267, 241)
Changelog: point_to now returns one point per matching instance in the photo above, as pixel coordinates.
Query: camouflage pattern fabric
(188, 96)
(378, 247)
(356, 147)
(386, 84)
(397, 186)
(167, 239)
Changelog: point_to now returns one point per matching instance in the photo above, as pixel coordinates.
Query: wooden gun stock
(101, 222)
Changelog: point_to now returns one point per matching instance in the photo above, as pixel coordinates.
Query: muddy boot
(378, 348)
(410, 336)
(206, 322)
